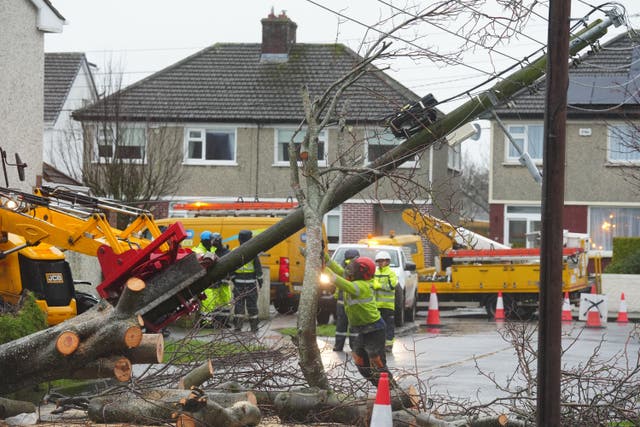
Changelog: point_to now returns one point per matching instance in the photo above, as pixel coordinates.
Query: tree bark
(10, 408)
(36, 358)
(196, 377)
(117, 367)
(150, 350)
(160, 405)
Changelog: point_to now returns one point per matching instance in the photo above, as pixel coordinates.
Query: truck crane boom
(446, 236)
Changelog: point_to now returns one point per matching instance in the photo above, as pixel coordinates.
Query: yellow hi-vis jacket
(384, 285)
(359, 301)
(217, 296)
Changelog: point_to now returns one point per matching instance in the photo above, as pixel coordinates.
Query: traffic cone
(433, 316)
(566, 309)
(593, 318)
(381, 415)
(499, 315)
(622, 311)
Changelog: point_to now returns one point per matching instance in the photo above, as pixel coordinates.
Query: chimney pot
(278, 36)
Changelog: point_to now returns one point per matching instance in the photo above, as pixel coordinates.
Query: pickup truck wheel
(410, 313)
(399, 307)
(285, 306)
(323, 317)
(509, 303)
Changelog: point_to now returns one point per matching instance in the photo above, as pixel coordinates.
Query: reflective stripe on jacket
(359, 302)
(248, 273)
(385, 287)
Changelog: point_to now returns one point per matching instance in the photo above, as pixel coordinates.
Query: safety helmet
(205, 235)
(216, 237)
(351, 254)
(383, 255)
(362, 268)
(244, 235)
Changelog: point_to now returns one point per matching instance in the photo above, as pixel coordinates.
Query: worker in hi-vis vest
(384, 285)
(246, 281)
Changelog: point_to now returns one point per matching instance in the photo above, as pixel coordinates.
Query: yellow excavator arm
(40, 218)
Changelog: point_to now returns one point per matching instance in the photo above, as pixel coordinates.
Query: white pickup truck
(406, 291)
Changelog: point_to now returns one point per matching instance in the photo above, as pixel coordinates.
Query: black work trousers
(246, 296)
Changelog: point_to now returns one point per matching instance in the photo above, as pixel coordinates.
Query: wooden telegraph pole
(555, 125)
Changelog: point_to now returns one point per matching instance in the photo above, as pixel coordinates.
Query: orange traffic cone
(566, 309)
(499, 315)
(622, 311)
(433, 316)
(381, 414)
(593, 315)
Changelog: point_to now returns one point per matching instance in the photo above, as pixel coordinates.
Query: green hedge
(27, 320)
(626, 256)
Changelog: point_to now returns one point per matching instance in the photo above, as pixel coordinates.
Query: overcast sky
(141, 37)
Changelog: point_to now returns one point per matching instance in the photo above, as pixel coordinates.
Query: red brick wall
(575, 220)
(496, 222)
(358, 221)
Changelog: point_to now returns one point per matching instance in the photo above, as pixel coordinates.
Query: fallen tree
(101, 337)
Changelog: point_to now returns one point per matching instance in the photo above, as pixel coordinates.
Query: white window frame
(454, 158)
(337, 212)
(523, 139)
(625, 155)
(99, 140)
(322, 138)
(372, 133)
(529, 217)
(232, 131)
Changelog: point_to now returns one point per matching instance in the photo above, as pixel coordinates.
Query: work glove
(260, 281)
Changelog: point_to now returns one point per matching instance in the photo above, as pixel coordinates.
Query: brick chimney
(278, 36)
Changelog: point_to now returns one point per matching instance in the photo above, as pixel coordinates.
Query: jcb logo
(54, 278)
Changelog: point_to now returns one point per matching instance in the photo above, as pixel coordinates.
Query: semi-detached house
(602, 191)
(233, 108)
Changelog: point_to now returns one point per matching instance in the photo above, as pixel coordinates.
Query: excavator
(35, 228)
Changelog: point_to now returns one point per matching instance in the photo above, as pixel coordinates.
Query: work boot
(254, 325)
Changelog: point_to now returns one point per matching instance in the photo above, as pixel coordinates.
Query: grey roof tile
(602, 82)
(228, 83)
(60, 70)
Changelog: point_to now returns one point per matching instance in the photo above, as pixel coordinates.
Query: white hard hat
(383, 255)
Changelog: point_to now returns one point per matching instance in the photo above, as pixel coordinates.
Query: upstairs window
(380, 142)
(454, 158)
(210, 146)
(283, 138)
(121, 143)
(624, 144)
(529, 138)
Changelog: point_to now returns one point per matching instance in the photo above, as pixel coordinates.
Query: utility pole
(555, 125)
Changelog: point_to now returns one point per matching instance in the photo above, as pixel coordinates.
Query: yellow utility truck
(285, 262)
(471, 268)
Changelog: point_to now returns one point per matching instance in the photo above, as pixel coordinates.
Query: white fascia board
(48, 21)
